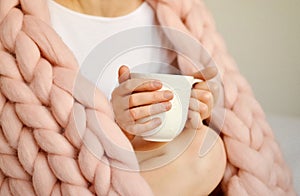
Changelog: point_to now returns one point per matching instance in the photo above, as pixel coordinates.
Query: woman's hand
(135, 99)
(202, 98)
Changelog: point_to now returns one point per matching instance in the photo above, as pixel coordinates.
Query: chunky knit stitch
(255, 164)
(48, 110)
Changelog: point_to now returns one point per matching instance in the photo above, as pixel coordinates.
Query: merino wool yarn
(45, 121)
(255, 165)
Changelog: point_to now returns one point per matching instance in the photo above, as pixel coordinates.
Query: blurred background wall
(264, 39)
(263, 36)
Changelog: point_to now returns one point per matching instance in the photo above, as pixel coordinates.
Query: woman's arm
(182, 170)
(174, 168)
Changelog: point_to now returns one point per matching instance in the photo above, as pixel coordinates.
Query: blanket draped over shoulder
(44, 121)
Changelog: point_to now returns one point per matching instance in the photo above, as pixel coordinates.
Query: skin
(182, 154)
(135, 99)
(189, 173)
(105, 8)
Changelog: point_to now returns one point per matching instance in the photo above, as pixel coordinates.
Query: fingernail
(157, 84)
(168, 95)
(156, 121)
(167, 106)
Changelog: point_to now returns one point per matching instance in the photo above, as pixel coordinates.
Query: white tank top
(82, 33)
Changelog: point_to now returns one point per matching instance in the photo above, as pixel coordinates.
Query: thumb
(124, 74)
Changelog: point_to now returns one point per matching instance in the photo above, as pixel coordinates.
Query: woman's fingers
(138, 128)
(149, 110)
(147, 98)
(206, 74)
(202, 98)
(135, 99)
(206, 98)
(124, 74)
(202, 86)
(133, 120)
(209, 86)
(146, 85)
(140, 99)
(194, 120)
(198, 106)
(137, 85)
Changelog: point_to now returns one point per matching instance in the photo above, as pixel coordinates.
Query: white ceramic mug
(173, 121)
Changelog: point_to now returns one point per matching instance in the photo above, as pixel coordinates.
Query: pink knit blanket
(44, 121)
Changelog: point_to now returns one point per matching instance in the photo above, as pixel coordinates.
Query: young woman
(82, 24)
